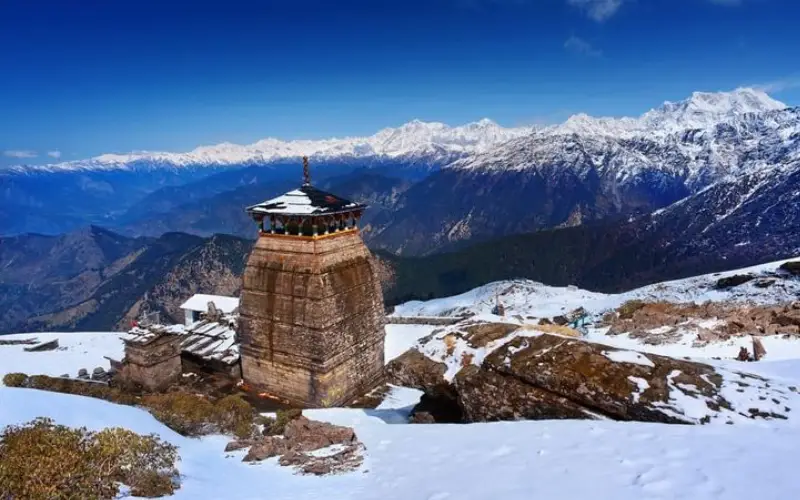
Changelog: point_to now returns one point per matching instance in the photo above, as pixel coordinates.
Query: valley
(705, 184)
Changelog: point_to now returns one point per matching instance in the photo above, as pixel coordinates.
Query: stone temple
(311, 318)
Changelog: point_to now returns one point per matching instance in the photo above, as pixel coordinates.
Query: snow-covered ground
(526, 301)
(509, 460)
(76, 351)
(535, 300)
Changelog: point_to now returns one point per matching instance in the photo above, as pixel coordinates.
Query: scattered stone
(338, 459)
(99, 373)
(31, 341)
(64, 375)
(421, 417)
(560, 320)
(662, 322)
(758, 349)
(310, 446)
(83, 373)
(50, 345)
(264, 448)
(792, 267)
(744, 354)
(733, 281)
(238, 444)
(764, 283)
(307, 435)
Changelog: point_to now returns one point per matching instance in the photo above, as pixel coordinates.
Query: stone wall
(423, 320)
(154, 365)
(311, 319)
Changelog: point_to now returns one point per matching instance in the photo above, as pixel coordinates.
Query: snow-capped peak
(701, 110)
(704, 109)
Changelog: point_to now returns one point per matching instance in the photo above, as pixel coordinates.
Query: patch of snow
(400, 338)
(628, 357)
(641, 386)
(76, 351)
(199, 302)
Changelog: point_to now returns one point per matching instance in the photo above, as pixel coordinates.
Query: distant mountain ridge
(432, 142)
(593, 169)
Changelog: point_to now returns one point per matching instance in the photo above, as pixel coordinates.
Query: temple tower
(311, 314)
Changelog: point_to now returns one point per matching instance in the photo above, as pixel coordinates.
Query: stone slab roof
(306, 200)
(208, 340)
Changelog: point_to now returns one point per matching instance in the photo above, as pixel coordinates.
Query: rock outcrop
(534, 375)
(662, 322)
(310, 446)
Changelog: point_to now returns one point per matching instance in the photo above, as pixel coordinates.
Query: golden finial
(306, 172)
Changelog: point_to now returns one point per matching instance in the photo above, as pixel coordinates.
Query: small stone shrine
(156, 355)
(152, 360)
(311, 314)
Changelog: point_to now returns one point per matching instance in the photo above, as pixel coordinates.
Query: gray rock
(99, 374)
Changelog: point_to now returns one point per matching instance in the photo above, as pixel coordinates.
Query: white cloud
(599, 10)
(20, 153)
(54, 154)
(578, 45)
(788, 83)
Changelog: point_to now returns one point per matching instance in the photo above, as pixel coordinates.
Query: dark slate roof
(307, 200)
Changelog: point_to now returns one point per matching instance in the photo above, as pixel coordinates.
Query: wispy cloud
(578, 45)
(54, 154)
(788, 83)
(19, 153)
(599, 10)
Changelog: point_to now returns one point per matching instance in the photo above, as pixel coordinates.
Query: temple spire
(306, 172)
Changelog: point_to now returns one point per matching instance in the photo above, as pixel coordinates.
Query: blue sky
(81, 78)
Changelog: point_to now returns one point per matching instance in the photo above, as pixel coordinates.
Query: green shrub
(42, 460)
(283, 417)
(186, 414)
(235, 415)
(80, 388)
(144, 463)
(15, 379)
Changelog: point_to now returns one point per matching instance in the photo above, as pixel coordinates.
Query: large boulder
(628, 385)
(485, 396)
(414, 369)
(528, 374)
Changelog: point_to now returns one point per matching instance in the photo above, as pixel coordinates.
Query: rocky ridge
(502, 371)
(589, 170)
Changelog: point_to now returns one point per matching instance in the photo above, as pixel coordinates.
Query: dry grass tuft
(42, 460)
(555, 329)
(15, 380)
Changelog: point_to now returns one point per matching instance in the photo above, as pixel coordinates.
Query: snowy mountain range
(589, 169)
(481, 180)
(435, 142)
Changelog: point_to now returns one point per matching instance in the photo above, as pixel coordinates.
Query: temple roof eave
(317, 212)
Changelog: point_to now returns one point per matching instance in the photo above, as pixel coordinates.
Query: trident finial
(306, 172)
